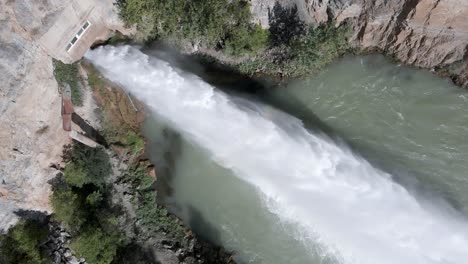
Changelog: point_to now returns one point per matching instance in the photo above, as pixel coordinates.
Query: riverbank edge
(177, 243)
(287, 28)
(147, 231)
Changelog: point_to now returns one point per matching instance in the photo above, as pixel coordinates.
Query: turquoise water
(405, 121)
(221, 207)
(408, 121)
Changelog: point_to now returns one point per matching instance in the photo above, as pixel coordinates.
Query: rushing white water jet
(337, 199)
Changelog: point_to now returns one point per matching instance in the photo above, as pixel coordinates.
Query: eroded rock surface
(424, 33)
(31, 135)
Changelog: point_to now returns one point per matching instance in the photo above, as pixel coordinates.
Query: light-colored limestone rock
(30, 130)
(424, 33)
(31, 135)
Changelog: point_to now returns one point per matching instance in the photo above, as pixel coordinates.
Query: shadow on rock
(201, 226)
(135, 254)
(33, 215)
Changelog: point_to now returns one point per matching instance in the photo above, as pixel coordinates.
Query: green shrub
(94, 199)
(319, 47)
(135, 142)
(205, 21)
(305, 54)
(284, 25)
(87, 166)
(247, 40)
(94, 79)
(21, 245)
(75, 175)
(288, 48)
(67, 74)
(208, 22)
(153, 217)
(84, 175)
(152, 18)
(150, 216)
(96, 246)
(82, 204)
(113, 130)
(69, 208)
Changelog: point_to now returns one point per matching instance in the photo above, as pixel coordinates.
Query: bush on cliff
(208, 23)
(135, 142)
(21, 245)
(67, 74)
(87, 166)
(318, 47)
(305, 53)
(247, 40)
(151, 217)
(69, 208)
(284, 25)
(80, 202)
(289, 47)
(96, 245)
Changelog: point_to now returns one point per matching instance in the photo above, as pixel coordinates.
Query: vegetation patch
(119, 120)
(117, 129)
(94, 79)
(81, 197)
(217, 24)
(67, 75)
(135, 142)
(69, 208)
(289, 48)
(150, 216)
(304, 54)
(86, 166)
(96, 245)
(80, 202)
(22, 243)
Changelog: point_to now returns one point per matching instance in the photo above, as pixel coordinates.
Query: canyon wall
(427, 33)
(31, 135)
(431, 34)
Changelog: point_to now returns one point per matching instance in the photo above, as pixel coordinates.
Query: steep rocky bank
(149, 242)
(431, 34)
(31, 134)
(31, 130)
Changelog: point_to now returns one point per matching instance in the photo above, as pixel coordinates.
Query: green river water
(405, 121)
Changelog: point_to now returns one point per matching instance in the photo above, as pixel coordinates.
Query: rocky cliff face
(31, 135)
(426, 33)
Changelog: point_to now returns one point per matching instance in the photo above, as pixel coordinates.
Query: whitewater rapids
(338, 200)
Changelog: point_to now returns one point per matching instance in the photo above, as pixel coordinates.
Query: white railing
(78, 35)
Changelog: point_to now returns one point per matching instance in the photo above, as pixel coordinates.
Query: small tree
(285, 25)
(21, 245)
(68, 208)
(87, 166)
(96, 246)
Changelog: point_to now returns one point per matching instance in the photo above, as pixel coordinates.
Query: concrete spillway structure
(78, 26)
(75, 28)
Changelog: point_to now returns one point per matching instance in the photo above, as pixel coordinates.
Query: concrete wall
(100, 13)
